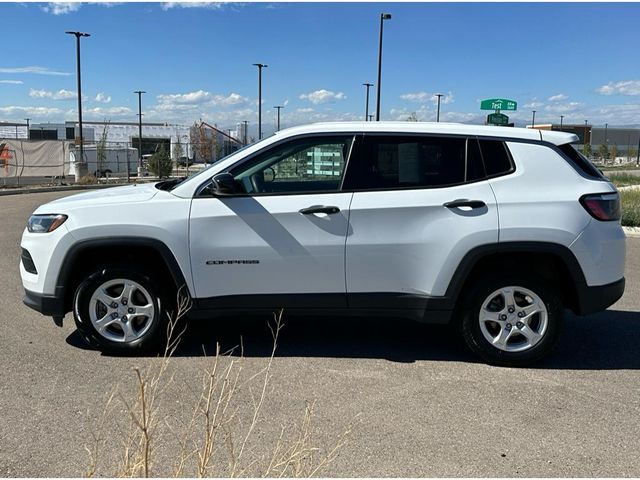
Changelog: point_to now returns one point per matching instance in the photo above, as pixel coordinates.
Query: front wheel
(120, 311)
(513, 321)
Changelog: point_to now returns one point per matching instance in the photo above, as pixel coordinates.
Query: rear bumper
(49, 305)
(597, 299)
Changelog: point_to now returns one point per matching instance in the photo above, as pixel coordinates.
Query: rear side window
(579, 161)
(385, 162)
(496, 157)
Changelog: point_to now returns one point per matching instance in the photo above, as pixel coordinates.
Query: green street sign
(498, 104)
(497, 119)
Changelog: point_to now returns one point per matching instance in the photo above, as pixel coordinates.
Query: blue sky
(579, 60)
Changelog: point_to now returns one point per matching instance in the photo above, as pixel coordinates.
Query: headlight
(45, 223)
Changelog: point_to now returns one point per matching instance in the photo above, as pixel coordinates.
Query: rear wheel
(120, 311)
(512, 321)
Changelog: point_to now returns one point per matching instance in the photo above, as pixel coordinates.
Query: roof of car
(557, 138)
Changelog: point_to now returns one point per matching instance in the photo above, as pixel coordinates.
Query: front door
(281, 242)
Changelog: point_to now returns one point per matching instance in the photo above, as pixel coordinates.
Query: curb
(65, 188)
(631, 231)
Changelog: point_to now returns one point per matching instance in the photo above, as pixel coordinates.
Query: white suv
(494, 229)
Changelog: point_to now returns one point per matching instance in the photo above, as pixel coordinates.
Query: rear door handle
(465, 203)
(319, 209)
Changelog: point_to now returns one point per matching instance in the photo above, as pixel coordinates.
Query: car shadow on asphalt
(604, 341)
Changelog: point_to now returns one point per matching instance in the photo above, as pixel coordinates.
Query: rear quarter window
(580, 162)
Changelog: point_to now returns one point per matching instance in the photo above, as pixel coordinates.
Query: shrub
(624, 179)
(160, 163)
(630, 207)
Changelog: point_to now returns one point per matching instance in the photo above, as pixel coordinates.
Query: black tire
(154, 336)
(473, 332)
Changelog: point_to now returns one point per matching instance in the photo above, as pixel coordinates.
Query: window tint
(411, 161)
(496, 157)
(303, 165)
(580, 161)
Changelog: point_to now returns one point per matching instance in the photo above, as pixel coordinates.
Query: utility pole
(383, 17)
(139, 92)
(366, 108)
(278, 107)
(439, 95)
(260, 67)
(78, 35)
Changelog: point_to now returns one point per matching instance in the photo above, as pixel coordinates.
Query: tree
(202, 144)
(101, 150)
(160, 163)
(613, 152)
(586, 150)
(413, 117)
(178, 151)
(603, 151)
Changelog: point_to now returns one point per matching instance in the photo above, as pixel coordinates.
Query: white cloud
(32, 69)
(557, 98)
(33, 111)
(61, 8)
(59, 95)
(425, 97)
(202, 98)
(103, 98)
(624, 87)
(208, 5)
(12, 82)
(564, 107)
(305, 110)
(322, 96)
(108, 112)
(533, 104)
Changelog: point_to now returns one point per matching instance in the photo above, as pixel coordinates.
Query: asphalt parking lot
(424, 405)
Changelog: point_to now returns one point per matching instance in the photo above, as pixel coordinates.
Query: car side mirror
(224, 184)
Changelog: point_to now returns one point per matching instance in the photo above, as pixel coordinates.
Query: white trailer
(114, 163)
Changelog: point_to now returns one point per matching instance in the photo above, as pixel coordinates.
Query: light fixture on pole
(260, 67)
(439, 95)
(383, 17)
(139, 92)
(278, 107)
(78, 35)
(366, 108)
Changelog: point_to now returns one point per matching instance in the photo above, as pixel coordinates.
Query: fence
(57, 161)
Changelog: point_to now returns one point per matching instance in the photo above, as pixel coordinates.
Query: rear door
(420, 204)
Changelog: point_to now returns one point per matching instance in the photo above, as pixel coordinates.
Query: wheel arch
(87, 254)
(550, 261)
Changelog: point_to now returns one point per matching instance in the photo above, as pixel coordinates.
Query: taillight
(602, 206)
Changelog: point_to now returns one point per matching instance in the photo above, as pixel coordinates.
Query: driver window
(304, 165)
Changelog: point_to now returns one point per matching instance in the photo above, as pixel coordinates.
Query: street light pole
(561, 117)
(533, 120)
(78, 35)
(246, 131)
(139, 92)
(260, 67)
(438, 111)
(383, 17)
(28, 134)
(366, 108)
(606, 126)
(371, 118)
(278, 107)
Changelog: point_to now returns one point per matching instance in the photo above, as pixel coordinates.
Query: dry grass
(88, 179)
(225, 434)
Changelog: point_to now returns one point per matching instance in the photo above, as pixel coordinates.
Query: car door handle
(319, 209)
(465, 203)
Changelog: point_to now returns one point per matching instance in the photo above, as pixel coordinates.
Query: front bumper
(50, 305)
(599, 298)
